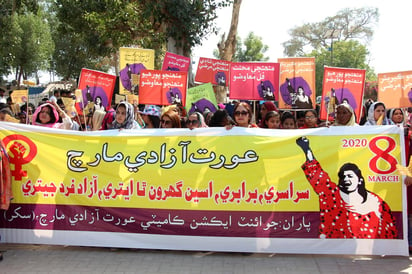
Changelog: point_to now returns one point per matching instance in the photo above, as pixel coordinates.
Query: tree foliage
(88, 33)
(8, 25)
(78, 43)
(33, 45)
(345, 54)
(347, 24)
(338, 41)
(253, 49)
(99, 28)
(186, 22)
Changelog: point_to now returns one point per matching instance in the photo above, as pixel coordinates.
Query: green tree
(346, 54)
(8, 26)
(78, 43)
(347, 24)
(34, 45)
(251, 49)
(99, 28)
(338, 41)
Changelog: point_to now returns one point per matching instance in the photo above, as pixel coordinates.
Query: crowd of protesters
(51, 112)
(236, 113)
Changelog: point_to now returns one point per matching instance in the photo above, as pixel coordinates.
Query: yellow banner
(238, 170)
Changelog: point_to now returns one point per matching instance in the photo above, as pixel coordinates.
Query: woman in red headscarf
(265, 108)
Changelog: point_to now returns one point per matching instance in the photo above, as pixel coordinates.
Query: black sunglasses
(237, 113)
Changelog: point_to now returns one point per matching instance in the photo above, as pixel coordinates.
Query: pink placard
(175, 62)
(254, 81)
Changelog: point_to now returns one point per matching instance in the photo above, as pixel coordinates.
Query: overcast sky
(390, 48)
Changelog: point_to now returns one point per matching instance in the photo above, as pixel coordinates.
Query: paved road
(64, 259)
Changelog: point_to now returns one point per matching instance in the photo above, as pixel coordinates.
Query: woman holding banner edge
(242, 114)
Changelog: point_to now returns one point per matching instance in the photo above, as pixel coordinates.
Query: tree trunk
(171, 47)
(227, 48)
(20, 73)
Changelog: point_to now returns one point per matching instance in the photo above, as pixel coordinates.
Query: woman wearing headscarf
(377, 115)
(265, 108)
(49, 114)
(195, 120)
(124, 117)
(397, 116)
(345, 116)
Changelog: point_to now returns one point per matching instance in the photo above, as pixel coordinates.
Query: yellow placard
(20, 96)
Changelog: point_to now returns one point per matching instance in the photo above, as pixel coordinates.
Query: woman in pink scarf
(48, 115)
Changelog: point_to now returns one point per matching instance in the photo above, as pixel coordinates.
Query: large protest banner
(297, 83)
(274, 191)
(395, 89)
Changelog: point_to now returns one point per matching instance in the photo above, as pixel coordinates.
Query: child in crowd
(271, 120)
(288, 121)
(264, 109)
(311, 119)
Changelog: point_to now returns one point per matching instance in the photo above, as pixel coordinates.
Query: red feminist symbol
(17, 153)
